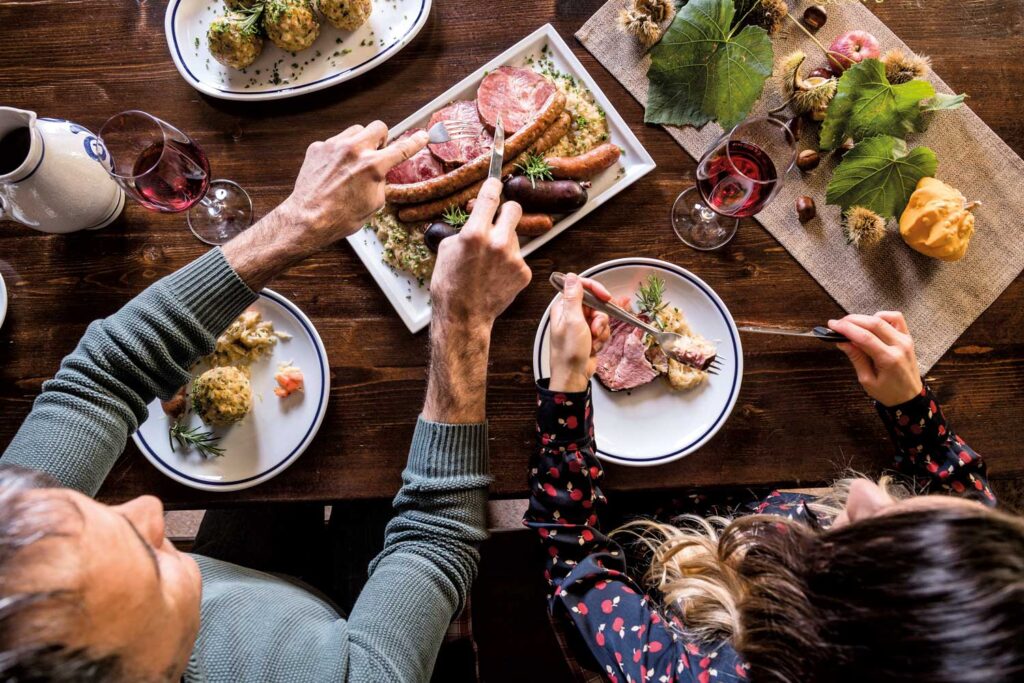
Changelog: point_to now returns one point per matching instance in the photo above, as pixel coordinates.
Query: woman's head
(927, 588)
(89, 591)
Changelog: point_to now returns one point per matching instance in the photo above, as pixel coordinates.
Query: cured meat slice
(420, 166)
(517, 95)
(464, 119)
(622, 363)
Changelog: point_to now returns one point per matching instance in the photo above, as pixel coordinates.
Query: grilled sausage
(428, 210)
(530, 225)
(586, 165)
(467, 174)
(546, 196)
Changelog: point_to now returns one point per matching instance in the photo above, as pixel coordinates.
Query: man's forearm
(266, 249)
(457, 385)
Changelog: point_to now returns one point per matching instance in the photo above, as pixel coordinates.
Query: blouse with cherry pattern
(625, 629)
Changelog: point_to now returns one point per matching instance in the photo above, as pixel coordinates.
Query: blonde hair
(694, 562)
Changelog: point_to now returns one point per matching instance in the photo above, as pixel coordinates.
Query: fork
(668, 341)
(446, 131)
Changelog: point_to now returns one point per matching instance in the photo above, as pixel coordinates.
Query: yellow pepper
(938, 221)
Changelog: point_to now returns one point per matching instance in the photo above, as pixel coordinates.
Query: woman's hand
(882, 353)
(577, 334)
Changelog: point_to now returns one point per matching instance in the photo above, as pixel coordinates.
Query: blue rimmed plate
(653, 424)
(335, 57)
(277, 430)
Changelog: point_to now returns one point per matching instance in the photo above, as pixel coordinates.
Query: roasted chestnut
(437, 232)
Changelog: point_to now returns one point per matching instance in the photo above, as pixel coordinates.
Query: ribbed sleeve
(80, 422)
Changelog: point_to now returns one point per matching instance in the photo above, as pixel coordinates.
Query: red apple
(852, 47)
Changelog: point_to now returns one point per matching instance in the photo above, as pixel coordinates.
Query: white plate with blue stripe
(276, 431)
(652, 424)
(335, 57)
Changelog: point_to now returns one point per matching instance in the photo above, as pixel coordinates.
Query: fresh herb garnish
(250, 19)
(193, 437)
(455, 216)
(535, 168)
(649, 298)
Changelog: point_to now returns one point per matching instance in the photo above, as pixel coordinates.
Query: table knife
(822, 333)
(497, 151)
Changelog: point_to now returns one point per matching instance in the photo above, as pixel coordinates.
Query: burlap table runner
(940, 300)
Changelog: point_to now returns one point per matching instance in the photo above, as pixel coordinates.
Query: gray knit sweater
(256, 627)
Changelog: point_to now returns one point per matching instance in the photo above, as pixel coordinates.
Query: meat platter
(554, 115)
(646, 419)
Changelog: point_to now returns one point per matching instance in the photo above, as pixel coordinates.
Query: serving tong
(665, 340)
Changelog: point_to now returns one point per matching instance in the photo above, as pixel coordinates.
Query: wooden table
(800, 416)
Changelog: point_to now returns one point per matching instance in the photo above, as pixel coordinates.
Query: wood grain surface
(800, 417)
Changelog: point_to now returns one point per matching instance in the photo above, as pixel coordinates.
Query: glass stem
(212, 206)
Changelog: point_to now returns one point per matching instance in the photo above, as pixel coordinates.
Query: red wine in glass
(171, 176)
(737, 179)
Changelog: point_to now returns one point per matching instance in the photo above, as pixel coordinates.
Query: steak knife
(823, 333)
(497, 151)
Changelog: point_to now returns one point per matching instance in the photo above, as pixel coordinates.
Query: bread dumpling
(222, 396)
(290, 24)
(348, 15)
(233, 40)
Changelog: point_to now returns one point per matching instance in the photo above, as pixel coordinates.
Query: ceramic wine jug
(53, 174)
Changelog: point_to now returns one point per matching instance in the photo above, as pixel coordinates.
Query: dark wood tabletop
(800, 418)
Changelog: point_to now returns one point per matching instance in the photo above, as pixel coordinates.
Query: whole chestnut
(842, 149)
(808, 160)
(796, 127)
(821, 72)
(805, 209)
(437, 232)
(815, 17)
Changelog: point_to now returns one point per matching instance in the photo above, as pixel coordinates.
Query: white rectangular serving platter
(409, 297)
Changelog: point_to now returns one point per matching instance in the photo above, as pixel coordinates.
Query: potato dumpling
(233, 40)
(222, 396)
(348, 15)
(290, 24)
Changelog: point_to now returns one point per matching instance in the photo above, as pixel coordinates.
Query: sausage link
(428, 210)
(412, 193)
(530, 225)
(586, 165)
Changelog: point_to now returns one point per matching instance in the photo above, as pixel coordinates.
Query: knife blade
(820, 332)
(497, 151)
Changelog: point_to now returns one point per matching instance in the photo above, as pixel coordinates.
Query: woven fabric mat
(940, 300)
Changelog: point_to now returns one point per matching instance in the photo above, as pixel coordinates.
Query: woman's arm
(882, 353)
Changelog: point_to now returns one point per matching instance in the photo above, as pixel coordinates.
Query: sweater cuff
(449, 450)
(211, 290)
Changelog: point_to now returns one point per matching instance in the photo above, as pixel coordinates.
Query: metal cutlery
(446, 131)
(668, 341)
(819, 332)
(497, 151)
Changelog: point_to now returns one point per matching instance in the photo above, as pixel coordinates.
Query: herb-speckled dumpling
(347, 15)
(233, 40)
(290, 24)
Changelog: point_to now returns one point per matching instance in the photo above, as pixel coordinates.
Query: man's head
(89, 591)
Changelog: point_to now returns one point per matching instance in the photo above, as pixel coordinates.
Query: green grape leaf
(944, 102)
(880, 174)
(866, 104)
(703, 70)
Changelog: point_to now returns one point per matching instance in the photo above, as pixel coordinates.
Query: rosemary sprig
(193, 437)
(649, 298)
(535, 168)
(455, 216)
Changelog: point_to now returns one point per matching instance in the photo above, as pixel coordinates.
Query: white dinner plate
(277, 430)
(335, 57)
(410, 298)
(3, 301)
(653, 424)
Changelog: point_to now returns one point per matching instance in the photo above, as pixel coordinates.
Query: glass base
(697, 225)
(224, 212)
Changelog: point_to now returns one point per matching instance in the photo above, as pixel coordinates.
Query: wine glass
(165, 170)
(736, 178)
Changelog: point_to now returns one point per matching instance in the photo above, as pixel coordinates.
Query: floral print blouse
(624, 628)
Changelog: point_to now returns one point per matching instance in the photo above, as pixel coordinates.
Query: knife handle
(827, 335)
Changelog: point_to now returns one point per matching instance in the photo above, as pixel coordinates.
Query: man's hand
(340, 185)
(577, 334)
(478, 274)
(882, 353)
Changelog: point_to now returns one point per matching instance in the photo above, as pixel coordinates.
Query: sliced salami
(517, 95)
(420, 166)
(469, 137)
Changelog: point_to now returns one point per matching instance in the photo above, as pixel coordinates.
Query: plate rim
(282, 465)
(417, 322)
(291, 91)
(712, 295)
(3, 300)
